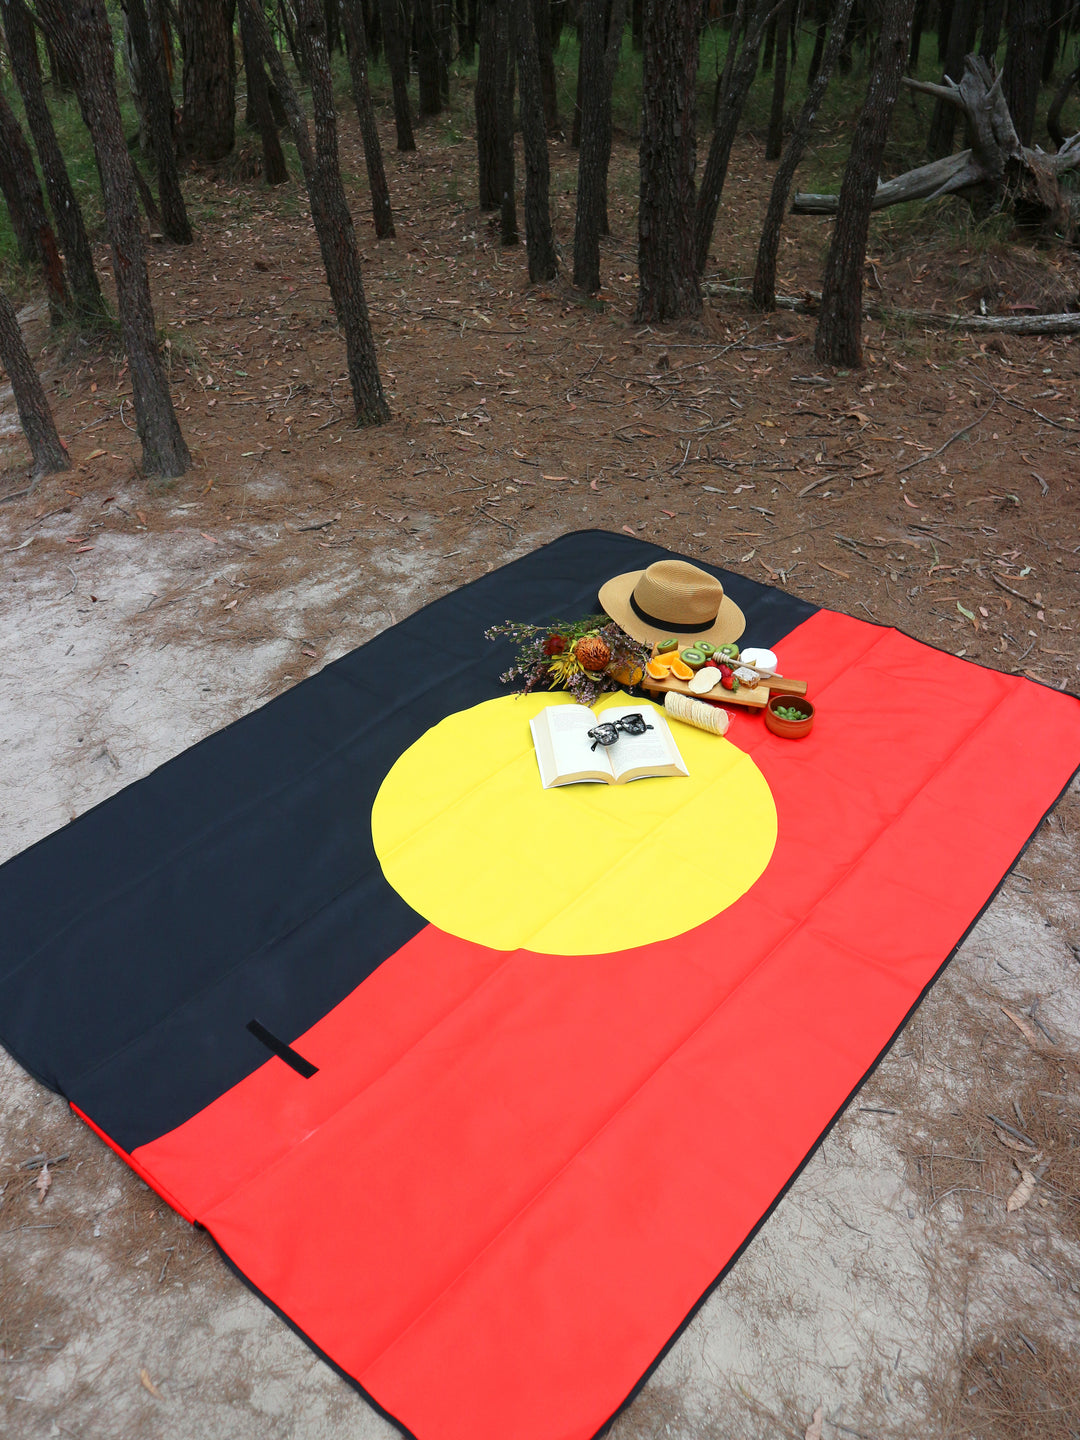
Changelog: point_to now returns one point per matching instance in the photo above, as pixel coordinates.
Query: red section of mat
(514, 1175)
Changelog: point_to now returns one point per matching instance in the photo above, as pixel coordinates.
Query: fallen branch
(954, 436)
(1009, 589)
(1066, 323)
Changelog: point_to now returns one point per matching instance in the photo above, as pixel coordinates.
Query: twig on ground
(933, 454)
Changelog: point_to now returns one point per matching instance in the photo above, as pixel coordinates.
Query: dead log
(995, 173)
(1064, 323)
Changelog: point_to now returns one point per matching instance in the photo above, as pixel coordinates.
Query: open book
(565, 755)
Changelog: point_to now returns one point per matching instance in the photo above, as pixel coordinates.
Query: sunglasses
(608, 731)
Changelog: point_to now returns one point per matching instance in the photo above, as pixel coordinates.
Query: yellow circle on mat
(468, 837)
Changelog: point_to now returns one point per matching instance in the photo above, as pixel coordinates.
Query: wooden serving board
(755, 699)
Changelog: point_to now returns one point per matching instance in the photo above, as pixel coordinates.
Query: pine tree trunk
(174, 218)
(539, 240)
(208, 122)
(329, 206)
(29, 218)
(612, 51)
(356, 43)
(542, 15)
(775, 141)
(89, 306)
(1028, 21)
(487, 108)
(743, 71)
(839, 333)
(427, 59)
(79, 29)
(504, 101)
(275, 171)
(765, 270)
(33, 407)
(579, 88)
(590, 155)
(397, 59)
(961, 39)
(993, 19)
(668, 285)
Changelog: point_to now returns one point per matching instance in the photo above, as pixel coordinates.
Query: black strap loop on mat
(285, 1052)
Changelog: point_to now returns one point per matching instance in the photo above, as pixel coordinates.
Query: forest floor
(936, 490)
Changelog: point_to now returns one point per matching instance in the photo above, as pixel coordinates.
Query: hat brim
(615, 601)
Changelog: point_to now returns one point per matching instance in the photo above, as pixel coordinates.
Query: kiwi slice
(694, 658)
(666, 645)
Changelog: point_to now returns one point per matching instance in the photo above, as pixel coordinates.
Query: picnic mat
(488, 1138)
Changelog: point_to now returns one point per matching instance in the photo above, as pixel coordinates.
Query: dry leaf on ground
(1028, 1031)
(148, 1384)
(44, 1180)
(813, 1430)
(1024, 1191)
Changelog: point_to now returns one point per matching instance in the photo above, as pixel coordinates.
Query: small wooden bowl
(789, 729)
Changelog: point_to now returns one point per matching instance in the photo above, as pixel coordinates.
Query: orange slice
(658, 668)
(681, 670)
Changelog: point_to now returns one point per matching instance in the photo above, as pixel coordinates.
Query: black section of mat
(239, 879)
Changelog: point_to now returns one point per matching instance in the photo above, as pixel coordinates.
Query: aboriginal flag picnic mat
(561, 1051)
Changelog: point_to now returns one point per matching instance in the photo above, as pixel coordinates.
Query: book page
(654, 753)
(563, 749)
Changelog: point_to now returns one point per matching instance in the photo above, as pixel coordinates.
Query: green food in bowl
(790, 712)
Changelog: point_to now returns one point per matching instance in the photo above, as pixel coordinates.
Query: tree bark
(275, 171)
(329, 207)
(29, 218)
(743, 69)
(30, 400)
(612, 52)
(428, 67)
(208, 121)
(539, 240)
(590, 153)
(158, 101)
(668, 284)
(79, 29)
(487, 108)
(839, 332)
(1028, 21)
(599, 56)
(818, 52)
(775, 141)
(398, 61)
(993, 18)
(504, 101)
(545, 51)
(960, 40)
(356, 43)
(765, 271)
(89, 306)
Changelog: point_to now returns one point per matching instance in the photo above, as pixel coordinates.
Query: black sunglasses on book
(607, 732)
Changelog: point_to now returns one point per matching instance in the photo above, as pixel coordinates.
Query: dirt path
(890, 1285)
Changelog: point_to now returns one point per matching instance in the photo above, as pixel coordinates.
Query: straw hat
(672, 598)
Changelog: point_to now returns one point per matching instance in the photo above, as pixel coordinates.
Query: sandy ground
(116, 1319)
(890, 1287)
